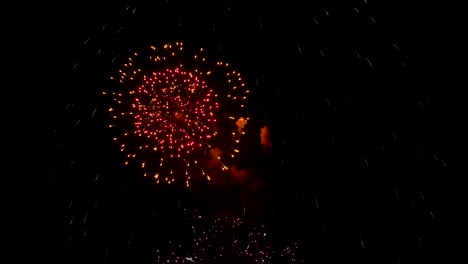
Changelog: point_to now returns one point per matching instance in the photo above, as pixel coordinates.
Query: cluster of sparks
(227, 240)
(177, 112)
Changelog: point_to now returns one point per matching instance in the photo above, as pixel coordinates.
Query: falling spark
(420, 240)
(86, 41)
(130, 239)
(443, 163)
(94, 112)
(113, 60)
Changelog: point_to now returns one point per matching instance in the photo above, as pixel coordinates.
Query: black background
(325, 113)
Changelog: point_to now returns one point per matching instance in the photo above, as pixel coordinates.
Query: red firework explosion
(179, 113)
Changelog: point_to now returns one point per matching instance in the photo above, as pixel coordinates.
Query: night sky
(359, 143)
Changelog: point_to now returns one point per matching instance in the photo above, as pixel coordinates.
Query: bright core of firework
(169, 104)
(173, 108)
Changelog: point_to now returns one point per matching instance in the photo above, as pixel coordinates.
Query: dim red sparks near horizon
(179, 116)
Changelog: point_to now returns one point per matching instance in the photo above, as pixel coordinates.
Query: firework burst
(177, 113)
(228, 240)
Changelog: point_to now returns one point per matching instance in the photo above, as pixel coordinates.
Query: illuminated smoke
(240, 124)
(265, 137)
(238, 173)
